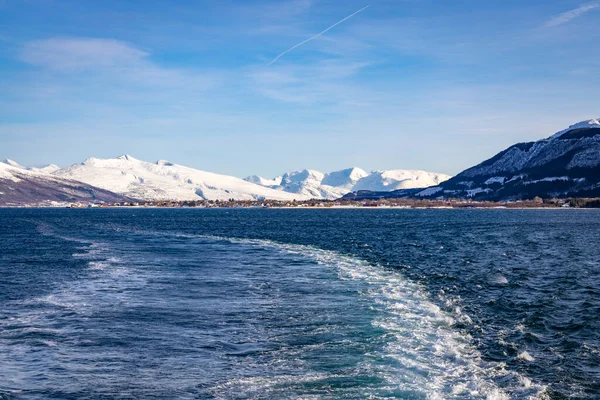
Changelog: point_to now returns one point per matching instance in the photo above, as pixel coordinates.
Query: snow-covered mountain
(164, 180)
(567, 164)
(333, 185)
(386, 181)
(20, 186)
(48, 169)
(307, 183)
(345, 179)
(128, 178)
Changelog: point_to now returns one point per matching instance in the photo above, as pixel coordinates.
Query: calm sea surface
(288, 304)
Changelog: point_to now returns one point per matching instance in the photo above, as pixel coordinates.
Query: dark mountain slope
(566, 164)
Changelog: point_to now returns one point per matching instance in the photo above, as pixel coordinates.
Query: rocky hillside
(566, 164)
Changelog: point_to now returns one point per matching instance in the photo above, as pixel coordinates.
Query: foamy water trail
(426, 353)
(421, 353)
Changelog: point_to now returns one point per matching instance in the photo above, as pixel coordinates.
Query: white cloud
(68, 54)
(572, 14)
(101, 64)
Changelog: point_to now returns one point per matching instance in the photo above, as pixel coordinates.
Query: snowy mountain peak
(165, 181)
(125, 161)
(346, 177)
(590, 123)
(126, 157)
(302, 175)
(356, 173)
(13, 163)
(567, 164)
(90, 161)
(48, 169)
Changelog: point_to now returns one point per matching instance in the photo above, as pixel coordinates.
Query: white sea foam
(525, 356)
(499, 280)
(426, 354)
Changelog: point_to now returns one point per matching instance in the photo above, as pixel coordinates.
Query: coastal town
(340, 203)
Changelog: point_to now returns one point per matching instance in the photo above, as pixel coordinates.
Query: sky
(264, 87)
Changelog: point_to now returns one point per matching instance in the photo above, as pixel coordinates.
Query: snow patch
(473, 192)
(13, 163)
(259, 180)
(590, 123)
(548, 179)
(516, 177)
(48, 169)
(429, 191)
(495, 179)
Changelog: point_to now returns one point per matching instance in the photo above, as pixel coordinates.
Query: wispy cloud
(68, 54)
(571, 14)
(316, 36)
(112, 62)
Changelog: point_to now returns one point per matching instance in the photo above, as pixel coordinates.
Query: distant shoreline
(289, 208)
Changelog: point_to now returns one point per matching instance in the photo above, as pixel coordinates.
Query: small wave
(525, 356)
(499, 280)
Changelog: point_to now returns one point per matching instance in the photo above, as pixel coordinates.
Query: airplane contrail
(317, 35)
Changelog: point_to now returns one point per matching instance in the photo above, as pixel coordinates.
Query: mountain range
(333, 185)
(127, 178)
(566, 164)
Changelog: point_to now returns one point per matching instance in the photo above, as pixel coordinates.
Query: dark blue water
(312, 304)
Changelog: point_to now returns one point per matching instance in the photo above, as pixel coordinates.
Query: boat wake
(422, 353)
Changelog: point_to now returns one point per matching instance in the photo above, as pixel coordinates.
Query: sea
(299, 304)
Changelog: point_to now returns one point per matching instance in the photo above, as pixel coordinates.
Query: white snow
(495, 179)
(11, 170)
(7, 171)
(399, 179)
(259, 180)
(346, 178)
(590, 123)
(473, 192)
(542, 152)
(15, 166)
(13, 163)
(164, 180)
(309, 183)
(516, 177)
(429, 191)
(48, 169)
(588, 158)
(548, 179)
(315, 184)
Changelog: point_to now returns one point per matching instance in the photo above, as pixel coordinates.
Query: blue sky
(411, 84)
